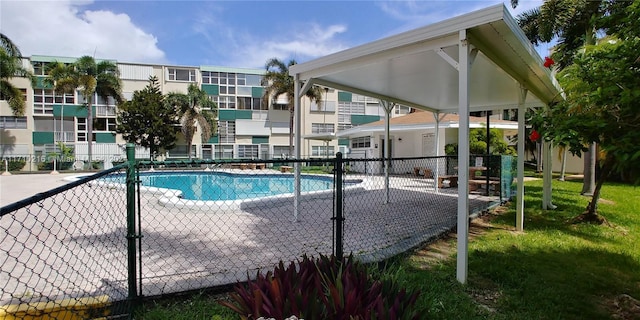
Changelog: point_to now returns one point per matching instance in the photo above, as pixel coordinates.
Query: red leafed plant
(322, 288)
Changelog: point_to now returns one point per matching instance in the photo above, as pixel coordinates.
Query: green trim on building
(259, 139)
(231, 114)
(343, 142)
(344, 96)
(105, 137)
(211, 89)
(41, 137)
(244, 114)
(233, 70)
(71, 110)
(40, 83)
(256, 92)
(214, 139)
(357, 119)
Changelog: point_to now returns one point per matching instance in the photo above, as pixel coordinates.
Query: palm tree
(194, 109)
(11, 66)
(91, 77)
(277, 82)
(574, 24)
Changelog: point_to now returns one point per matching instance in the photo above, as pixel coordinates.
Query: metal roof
(419, 68)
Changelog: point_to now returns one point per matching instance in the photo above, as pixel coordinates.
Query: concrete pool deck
(20, 186)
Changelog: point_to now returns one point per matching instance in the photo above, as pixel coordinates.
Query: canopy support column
(387, 106)
(463, 159)
(436, 173)
(297, 125)
(520, 164)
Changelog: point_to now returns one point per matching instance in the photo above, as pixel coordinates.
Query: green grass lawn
(552, 270)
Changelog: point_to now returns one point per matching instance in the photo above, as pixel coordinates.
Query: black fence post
(131, 224)
(339, 206)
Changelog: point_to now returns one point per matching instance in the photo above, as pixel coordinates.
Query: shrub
(14, 165)
(323, 288)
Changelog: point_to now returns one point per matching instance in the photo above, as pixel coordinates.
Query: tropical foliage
(11, 66)
(194, 110)
(478, 143)
(573, 24)
(322, 288)
(91, 78)
(603, 89)
(278, 82)
(147, 120)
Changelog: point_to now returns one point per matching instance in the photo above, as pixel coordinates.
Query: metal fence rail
(149, 228)
(63, 250)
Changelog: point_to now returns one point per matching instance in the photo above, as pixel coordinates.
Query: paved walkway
(19, 186)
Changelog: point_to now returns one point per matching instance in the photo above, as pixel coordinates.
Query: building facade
(247, 128)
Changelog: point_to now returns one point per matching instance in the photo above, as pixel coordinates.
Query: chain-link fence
(198, 224)
(62, 254)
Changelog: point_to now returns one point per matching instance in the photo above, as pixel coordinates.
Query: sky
(241, 34)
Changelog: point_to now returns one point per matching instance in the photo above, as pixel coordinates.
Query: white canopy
(477, 61)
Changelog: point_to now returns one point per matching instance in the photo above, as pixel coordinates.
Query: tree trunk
(588, 186)
(291, 116)
(591, 212)
(564, 163)
(90, 131)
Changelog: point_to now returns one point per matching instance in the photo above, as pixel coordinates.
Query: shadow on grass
(555, 283)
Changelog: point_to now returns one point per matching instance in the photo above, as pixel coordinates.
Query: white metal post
(520, 161)
(298, 139)
(463, 159)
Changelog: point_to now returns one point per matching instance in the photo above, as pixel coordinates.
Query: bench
(475, 184)
(284, 169)
(426, 172)
(453, 181)
(240, 166)
(261, 166)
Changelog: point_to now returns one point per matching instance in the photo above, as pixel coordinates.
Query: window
(104, 124)
(254, 80)
(44, 99)
(209, 77)
(345, 110)
(10, 122)
(322, 151)
(182, 74)
(246, 103)
(280, 151)
(224, 151)
(224, 102)
(280, 106)
(361, 142)
(322, 128)
(325, 106)
(248, 151)
(182, 151)
(401, 110)
(227, 131)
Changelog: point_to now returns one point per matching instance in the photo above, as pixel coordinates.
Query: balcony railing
(64, 136)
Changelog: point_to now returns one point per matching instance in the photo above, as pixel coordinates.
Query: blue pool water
(228, 186)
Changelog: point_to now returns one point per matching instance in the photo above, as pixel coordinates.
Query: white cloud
(252, 49)
(64, 28)
(415, 14)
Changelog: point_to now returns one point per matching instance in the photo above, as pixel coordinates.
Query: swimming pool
(214, 186)
(221, 192)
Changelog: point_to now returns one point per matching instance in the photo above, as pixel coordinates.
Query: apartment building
(247, 128)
